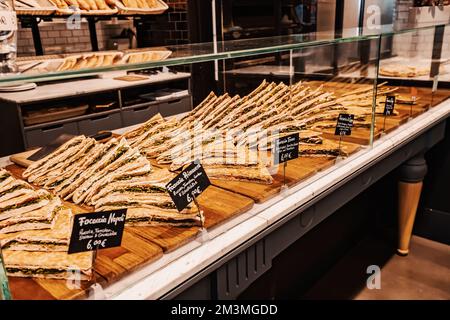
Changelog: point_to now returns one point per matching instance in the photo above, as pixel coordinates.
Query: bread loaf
(92, 4)
(83, 5)
(101, 5)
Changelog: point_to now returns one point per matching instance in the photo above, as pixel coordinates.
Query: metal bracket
(437, 50)
(93, 32)
(33, 23)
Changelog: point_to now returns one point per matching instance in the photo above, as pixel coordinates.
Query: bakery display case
(327, 91)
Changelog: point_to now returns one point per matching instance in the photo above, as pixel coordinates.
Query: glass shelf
(57, 67)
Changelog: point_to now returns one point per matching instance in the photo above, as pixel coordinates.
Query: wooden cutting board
(221, 205)
(49, 289)
(168, 238)
(218, 206)
(114, 263)
(22, 158)
(426, 96)
(359, 136)
(297, 170)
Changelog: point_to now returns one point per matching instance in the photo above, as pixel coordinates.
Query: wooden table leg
(412, 174)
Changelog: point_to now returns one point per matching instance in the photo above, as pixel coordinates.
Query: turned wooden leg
(412, 174)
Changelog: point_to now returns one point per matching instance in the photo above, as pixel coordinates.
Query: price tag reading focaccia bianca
(389, 105)
(188, 185)
(98, 230)
(344, 124)
(286, 148)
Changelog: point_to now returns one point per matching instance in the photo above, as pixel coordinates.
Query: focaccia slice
(54, 239)
(49, 265)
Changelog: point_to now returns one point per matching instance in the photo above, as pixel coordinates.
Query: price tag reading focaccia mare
(286, 148)
(188, 185)
(98, 230)
(389, 105)
(344, 124)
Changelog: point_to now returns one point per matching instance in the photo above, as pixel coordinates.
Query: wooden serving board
(22, 158)
(49, 289)
(114, 263)
(359, 136)
(218, 206)
(168, 238)
(426, 95)
(257, 191)
(297, 170)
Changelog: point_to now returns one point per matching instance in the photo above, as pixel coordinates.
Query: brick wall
(178, 23)
(57, 38)
(418, 44)
(403, 45)
(170, 28)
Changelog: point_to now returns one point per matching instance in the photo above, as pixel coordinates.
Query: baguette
(61, 4)
(72, 3)
(130, 3)
(92, 60)
(142, 4)
(92, 4)
(101, 5)
(83, 5)
(152, 3)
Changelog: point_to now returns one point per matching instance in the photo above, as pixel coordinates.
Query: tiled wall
(178, 23)
(170, 28)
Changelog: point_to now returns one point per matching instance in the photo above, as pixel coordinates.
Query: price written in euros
(96, 244)
(286, 156)
(193, 194)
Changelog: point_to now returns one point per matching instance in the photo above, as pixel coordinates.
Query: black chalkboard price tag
(98, 230)
(344, 124)
(389, 105)
(286, 148)
(188, 185)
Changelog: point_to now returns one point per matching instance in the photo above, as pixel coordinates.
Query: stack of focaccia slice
(79, 167)
(177, 143)
(22, 207)
(34, 233)
(43, 253)
(223, 128)
(404, 71)
(218, 155)
(227, 162)
(87, 172)
(146, 200)
(55, 238)
(50, 265)
(360, 101)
